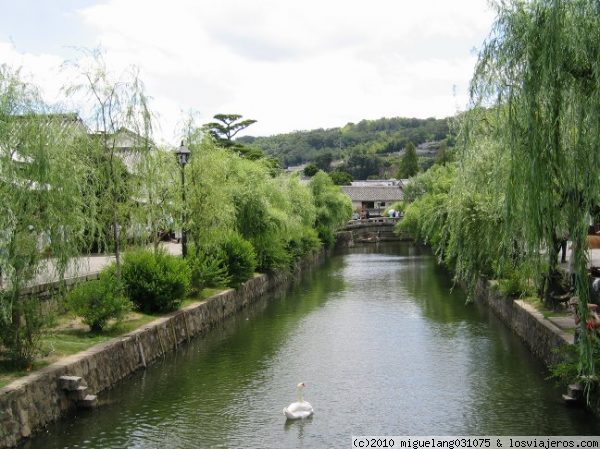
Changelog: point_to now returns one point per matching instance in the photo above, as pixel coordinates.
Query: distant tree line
(375, 137)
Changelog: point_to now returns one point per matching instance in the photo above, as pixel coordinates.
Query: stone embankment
(542, 336)
(30, 403)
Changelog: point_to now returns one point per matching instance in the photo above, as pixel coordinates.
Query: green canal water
(383, 346)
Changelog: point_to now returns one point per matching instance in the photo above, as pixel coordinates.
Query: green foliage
(310, 170)
(226, 127)
(21, 343)
(100, 237)
(307, 243)
(333, 207)
(341, 178)
(119, 109)
(323, 161)
(409, 165)
(99, 301)
(155, 283)
(44, 196)
(382, 136)
(240, 259)
(513, 286)
(362, 165)
(210, 206)
(540, 69)
(157, 189)
(444, 155)
(232, 194)
(566, 372)
(208, 267)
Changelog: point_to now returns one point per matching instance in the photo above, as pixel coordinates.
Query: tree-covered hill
(382, 136)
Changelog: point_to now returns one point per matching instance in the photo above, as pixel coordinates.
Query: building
(374, 196)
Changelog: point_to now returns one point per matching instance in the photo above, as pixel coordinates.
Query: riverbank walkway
(566, 323)
(86, 267)
(83, 267)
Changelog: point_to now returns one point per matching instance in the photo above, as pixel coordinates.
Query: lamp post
(183, 155)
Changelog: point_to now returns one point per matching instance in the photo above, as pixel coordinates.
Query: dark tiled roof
(379, 193)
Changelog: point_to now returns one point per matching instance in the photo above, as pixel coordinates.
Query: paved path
(83, 266)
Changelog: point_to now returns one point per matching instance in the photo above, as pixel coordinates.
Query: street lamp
(183, 155)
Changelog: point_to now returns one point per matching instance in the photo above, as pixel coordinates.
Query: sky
(289, 64)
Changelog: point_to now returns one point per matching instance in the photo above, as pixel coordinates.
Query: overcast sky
(291, 65)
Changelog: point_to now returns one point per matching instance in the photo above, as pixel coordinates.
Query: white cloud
(293, 64)
(42, 70)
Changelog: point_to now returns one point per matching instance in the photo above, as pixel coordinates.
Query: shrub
(271, 253)
(208, 268)
(326, 235)
(99, 301)
(155, 282)
(21, 339)
(240, 259)
(304, 244)
(310, 241)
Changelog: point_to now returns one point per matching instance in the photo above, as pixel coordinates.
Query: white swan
(299, 409)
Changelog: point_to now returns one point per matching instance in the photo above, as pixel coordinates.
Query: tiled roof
(379, 193)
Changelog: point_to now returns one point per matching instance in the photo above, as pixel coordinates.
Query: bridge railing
(375, 221)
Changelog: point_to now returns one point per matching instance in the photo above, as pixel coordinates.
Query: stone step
(89, 401)
(78, 394)
(570, 400)
(70, 383)
(575, 391)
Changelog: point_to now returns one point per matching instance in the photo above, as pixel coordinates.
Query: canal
(384, 345)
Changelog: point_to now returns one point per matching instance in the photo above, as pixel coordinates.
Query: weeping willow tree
(43, 197)
(540, 69)
(157, 192)
(118, 107)
(210, 212)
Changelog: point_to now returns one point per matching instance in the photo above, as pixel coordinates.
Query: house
(128, 146)
(374, 196)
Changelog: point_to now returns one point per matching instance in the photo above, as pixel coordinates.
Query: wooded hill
(382, 136)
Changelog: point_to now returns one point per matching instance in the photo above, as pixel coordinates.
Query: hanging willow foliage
(46, 205)
(540, 69)
(119, 108)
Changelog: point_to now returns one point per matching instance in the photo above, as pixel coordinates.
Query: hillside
(375, 137)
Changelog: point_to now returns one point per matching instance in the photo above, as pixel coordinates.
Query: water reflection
(383, 345)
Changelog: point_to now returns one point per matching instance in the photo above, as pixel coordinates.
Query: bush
(209, 268)
(326, 235)
(20, 337)
(271, 253)
(310, 241)
(156, 283)
(306, 243)
(240, 259)
(99, 301)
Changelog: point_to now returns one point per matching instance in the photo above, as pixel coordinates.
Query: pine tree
(409, 164)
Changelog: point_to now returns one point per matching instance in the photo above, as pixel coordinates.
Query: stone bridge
(370, 230)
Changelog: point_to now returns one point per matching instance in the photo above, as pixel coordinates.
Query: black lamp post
(183, 155)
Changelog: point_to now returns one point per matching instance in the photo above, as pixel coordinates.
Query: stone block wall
(30, 403)
(540, 335)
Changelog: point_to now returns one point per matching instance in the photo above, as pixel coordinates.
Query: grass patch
(538, 304)
(69, 336)
(202, 296)
(534, 301)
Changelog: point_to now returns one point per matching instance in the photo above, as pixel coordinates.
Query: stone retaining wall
(30, 403)
(540, 335)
